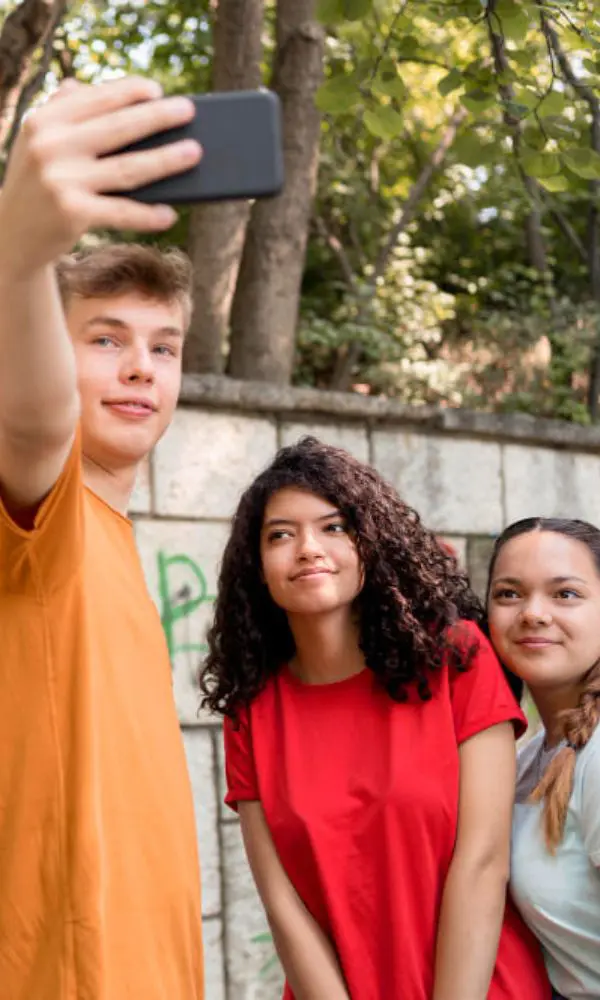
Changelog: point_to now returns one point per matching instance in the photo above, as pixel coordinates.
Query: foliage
(394, 79)
(483, 293)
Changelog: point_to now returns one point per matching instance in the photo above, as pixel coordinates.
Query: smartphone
(240, 134)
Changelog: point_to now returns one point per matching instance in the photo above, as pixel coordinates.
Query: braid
(556, 785)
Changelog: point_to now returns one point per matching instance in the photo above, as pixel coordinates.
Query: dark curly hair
(413, 588)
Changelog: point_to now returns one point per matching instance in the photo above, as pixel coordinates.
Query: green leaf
(534, 138)
(330, 11)
(528, 98)
(553, 104)
(451, 82)
(517, 28)
(355, 10)
(383, 122)
(584, 163)
(388, 83)
(555, 184)
(541, 165)
(471, 152)
(516, 110)
(522, 57)
(558, 128)
(478, 100)
(515, 20)
(336, 11)
(338, 94)
(408, 45)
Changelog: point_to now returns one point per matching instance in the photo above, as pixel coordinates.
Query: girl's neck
(327, 648)
(550, 702)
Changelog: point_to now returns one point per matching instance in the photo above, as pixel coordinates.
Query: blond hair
(118, 268)
(556, 786)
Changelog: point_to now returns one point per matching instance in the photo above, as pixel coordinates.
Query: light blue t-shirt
(559, 895)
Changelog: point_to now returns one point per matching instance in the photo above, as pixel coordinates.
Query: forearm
(307, 957)
(38, 382)
(469, 930)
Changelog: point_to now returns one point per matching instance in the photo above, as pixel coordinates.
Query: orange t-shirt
(99, 879)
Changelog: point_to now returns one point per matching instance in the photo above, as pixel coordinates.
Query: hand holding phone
(242, 155)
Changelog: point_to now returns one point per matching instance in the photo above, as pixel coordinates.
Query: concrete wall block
(352, 437)
(141, 499)
(201, 766)
(453, 483)
(245, 920)
(214, 959)
(206, 460)
(546, 483)
(180, 560)
(479, 553)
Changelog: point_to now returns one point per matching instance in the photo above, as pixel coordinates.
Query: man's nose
(138, 366)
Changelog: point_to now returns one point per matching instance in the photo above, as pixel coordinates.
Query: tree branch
(418, 189)
(567, 230)
(338, 249)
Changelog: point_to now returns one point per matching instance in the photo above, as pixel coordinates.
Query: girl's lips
(533, 641)
(311, 574)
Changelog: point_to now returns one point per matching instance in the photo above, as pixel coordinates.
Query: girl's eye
(336, 527)
(164, 350)
(567, 594)
(279, 533)
(105, 341)
(505, 594)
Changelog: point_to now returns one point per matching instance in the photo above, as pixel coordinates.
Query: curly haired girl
(544, 620)
(369, 738)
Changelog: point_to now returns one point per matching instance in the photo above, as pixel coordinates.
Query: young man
(99, 881)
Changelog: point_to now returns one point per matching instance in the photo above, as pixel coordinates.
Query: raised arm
(306, 954)
(475, 891)
(51, 195)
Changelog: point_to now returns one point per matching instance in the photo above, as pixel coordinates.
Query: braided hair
(576, 724)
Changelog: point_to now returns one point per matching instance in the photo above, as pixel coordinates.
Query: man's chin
(117, 451)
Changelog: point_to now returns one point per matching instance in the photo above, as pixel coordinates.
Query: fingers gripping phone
(240, 135)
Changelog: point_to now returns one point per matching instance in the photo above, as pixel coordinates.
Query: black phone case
(240, 134)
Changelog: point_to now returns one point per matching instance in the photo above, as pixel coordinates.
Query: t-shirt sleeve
(240, 772)
(590, 799)
(481, 696)
(42, 558)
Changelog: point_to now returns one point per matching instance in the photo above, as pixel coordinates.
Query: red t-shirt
(360, 794)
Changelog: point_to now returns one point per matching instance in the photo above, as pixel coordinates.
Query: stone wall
(468, 475)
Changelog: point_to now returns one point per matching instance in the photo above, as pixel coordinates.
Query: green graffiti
(178, 605)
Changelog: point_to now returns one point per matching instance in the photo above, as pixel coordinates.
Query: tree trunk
(22, 32)
(217, 231)
(266, 301)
